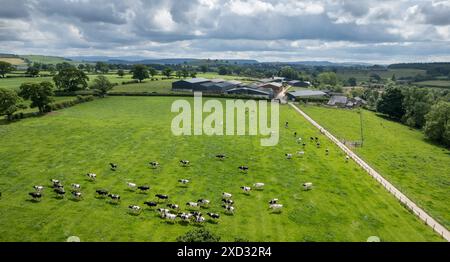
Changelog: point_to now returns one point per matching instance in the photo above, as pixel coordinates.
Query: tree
(102, 67)
(223, 70)
(63, 65)
(81, 66)
(352, 81)
(140, 72)
(185, 72)
(288, 72)
(437, 126)
(193, 74)
(120, 72)
(71, 79)
(417, 103)
(167, 71)
(102, 85)
(374, 78)
(152, 72)
(51, 69)
(88, 68)
(32, 71)
(40, 94)
(393, 78)
(179, 74)
(198, 235)
(5, 68)
(204, 68)
(391, 103)
(10, 102)
(328, 78)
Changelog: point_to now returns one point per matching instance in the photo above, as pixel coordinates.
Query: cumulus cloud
(258, 29)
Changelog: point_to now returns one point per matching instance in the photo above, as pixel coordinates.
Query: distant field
(434, 83)
(344, 205)
(361, 75)
(420, 169)
(13, 61)
(45, 59)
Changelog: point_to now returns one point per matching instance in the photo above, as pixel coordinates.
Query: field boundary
(413, 207)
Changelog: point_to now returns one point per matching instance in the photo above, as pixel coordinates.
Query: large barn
(251, 91)
(305, 94)
(189, 84)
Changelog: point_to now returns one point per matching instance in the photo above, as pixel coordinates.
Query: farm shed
(257, 92)
(188, 84)
(299, 83)
(338, 101)
(306, 94)
(276, 87)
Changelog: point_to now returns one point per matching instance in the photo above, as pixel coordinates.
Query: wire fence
(415, 209)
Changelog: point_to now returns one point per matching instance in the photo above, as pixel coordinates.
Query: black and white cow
(56, 183)
(246, 189)
(131, 186)
(228, 201)
(76, 187)
(170, 217)
(228, 209)
(318, 145)
(184, 163)
(185, 217)
(91, 176)
(226, 195)
(192, 204)
(327, 151)
(113, 166)
(60, 192)
(213, 215)
(273, 201)
(144, 188)
(114, 197)
(304, 145)
(35, 195)
(347, 158)
(311, 138)
(243, 168)
(154, 164)
(203, 202)
(220, 156)
(276, 207)
(162, 197)
(150, 203)
(76, 195)
(196, 213)
(258, 186)
(307, 186)
(134, 209)
(295, 134)
(288, 156)
(101, 192)
(38, 188)
(173, 206)
(199, 219)
(183, 181)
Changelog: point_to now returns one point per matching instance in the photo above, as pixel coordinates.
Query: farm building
(305, 94)
(276, 79)
(248, 90)
(216, 87)
(188, 84)
(340, 101)
(299, 83)
(276, 87)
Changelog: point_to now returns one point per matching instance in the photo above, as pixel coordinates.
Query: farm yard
(418, 168)
(344, 203)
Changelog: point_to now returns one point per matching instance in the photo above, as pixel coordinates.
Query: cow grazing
(35, 195)
(60, 192)
(258, 186)
(162, 197)
(307, 186)
(91, 176)
(76, 187)
(228, 209)
(38, 188)
(301, 153)
(170, 217)
(203, 202)
(113, 166)
(318, 145)
(154, 164)
(56, 183)
(134, 209)
(286, 125)
(304, 145)
(185, 217)
(346, 159)
(184, 163)
(288, 156)
(114, 197)
(220, 156)
(228, 201)
(226, 195)
(163, 210)
(76, 195)
(150, 203)
(243, 168)
(199, 219)
(173, 206)
(311, 138)
(276, 207)
(101, 192)
(327, 151)
(192, 204)
(144, 188)
(246, 189)
(299, 140)
(295, 134)
(131, 186)
(213, 215)
(273, 201)
(183, 181)
(316, 138)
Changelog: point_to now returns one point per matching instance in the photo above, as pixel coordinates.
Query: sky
(372, 31)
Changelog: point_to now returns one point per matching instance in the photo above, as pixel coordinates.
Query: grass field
(45, 59)
(362, 75)
(13, 61)
(420, 169)
(344, 205)
(434, 83)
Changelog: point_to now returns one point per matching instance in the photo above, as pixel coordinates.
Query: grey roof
(305, 93)
(273, 84)
(337, 100)
(234, 82)
(196, 80)
(217, 80)
(258, 90)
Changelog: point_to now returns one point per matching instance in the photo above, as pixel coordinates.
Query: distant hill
(164, 61)
(12, 59)
(45, 59)
(422, 66)
(324, 63)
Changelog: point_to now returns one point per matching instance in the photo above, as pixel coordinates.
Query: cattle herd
(171, 211)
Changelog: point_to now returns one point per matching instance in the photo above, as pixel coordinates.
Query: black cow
(221, 156)
(114, 197)
(101, 192)
(213, 215)
(228, 201)
(150, 203)
(143, 188)
(160, 196)
(60, 192)
(243, 168)
(35, 195)
(113, 166)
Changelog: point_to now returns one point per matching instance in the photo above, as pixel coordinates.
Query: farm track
(413, 207)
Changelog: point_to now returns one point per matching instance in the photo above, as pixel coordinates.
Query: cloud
(259, 29)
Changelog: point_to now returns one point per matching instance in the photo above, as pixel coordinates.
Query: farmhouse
(306, 94)
(189, 84)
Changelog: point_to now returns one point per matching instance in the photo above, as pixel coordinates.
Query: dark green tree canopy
(437, 126)
(120, 72)
(10, 102)
(5, 68)
(391, 103)
(288, 72)
(102, 85)
(167, 72)
(140, 72)
(71, 79)
(199, 235)
(40, 94)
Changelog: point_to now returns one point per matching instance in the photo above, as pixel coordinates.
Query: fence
(441, 230)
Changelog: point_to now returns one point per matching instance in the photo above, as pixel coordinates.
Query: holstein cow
(154, 164)
(150, 203)
(113, 166)
(35, 195)
(228, 209)
(60, 192)
(220, 156)
(327, 151)
(173, 206)
(199, 219)
(203, 202)
(246, 189)
(170, 217)
(38, 188)
(213, 215)
(228, 201)
(91, 176)
(226, 195)
(56, 183)
(76, 195)
(258, 186)
(134, 209)
(183, 181)
(243, 168)
(185, 217)
(101, 192)
(288, 156)
(162, 197)
(192, 204)
(276, 207)
(144, 188)
(76, 187)
(114, 197)
(307, 186)
(184, 163)
(273, 201)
